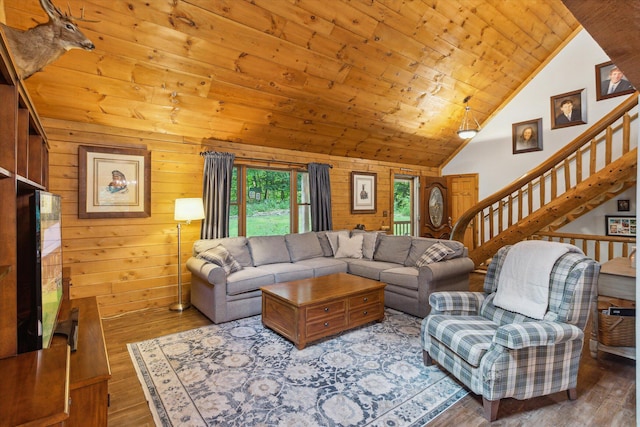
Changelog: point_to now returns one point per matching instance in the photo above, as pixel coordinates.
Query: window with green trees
(262, 203)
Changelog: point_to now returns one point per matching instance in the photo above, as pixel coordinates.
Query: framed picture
(527, 136)
(623, 205)
(114, 182)
(363, 192)
(611, 82)
(620, 225)
(568, 109)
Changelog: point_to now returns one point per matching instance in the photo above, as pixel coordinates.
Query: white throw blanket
(523, 285)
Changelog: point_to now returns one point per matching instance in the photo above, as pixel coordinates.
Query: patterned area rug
(242, 374)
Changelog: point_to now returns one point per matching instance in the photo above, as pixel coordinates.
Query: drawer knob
(326, 324)
(365, 299)
(365, 312)
(326, 309)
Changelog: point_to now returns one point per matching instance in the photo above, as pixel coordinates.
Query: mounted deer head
(39, 46)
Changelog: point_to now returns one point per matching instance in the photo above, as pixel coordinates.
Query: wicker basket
(616, 331)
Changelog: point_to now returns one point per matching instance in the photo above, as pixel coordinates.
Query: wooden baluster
(491, 222)
(592, 156)
(554, 183)
(626, 133)
(542, 190)
(500, 215)
(482, 228)
(520, 196)
(567, 175)
(530, 197)
(510, 211)
(578, 166)
(608, 141)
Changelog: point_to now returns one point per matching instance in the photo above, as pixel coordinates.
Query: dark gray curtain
(216, 194)
(320, 189)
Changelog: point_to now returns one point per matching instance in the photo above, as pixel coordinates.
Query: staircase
(593, 168)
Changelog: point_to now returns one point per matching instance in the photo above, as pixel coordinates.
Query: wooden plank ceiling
(374, 79)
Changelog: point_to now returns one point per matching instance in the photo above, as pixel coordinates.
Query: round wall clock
(436, 204)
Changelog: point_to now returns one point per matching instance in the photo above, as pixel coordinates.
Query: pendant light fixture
(465, 131)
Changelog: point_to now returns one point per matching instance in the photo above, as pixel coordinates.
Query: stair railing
(599, 248)
(606, 141)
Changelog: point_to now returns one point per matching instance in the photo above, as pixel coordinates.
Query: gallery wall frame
(114, 182)
(620, 225)
(562, 116)
(606, 73)
(363, 192)
(624, 205)
(527, 136)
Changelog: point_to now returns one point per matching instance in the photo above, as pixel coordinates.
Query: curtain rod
(255, 159)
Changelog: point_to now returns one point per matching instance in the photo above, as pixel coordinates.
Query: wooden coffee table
(309, 309)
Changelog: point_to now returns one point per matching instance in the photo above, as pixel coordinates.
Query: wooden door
(435, 220)
(463, 195)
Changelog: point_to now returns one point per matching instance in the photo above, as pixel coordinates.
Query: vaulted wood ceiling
(373, 79)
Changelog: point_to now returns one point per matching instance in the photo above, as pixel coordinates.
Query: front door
(435, 218)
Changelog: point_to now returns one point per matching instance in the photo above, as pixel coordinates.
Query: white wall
(490, 153)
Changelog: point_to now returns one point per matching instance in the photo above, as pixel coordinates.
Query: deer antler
(81, 17)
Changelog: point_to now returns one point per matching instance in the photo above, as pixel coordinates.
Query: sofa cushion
(303, 246)
(333, 239)
(268, 250)
(248, 279)
(434, 253)
(324, 243)
(237, 247)
(286, 272)
(220, 256)
(369, 269)
(405, 277)
(392, 249)
(349, 247)
(323, 266)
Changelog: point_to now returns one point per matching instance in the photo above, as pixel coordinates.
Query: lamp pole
(179, 306)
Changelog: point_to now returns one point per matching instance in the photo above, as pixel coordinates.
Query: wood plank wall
(131, 264)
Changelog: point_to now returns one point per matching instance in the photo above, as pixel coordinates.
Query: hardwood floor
(606, 386)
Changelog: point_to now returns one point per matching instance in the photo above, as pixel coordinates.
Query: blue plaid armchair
(498, 353)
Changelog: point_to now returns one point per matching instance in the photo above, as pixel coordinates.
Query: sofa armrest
(207, 271)
(456, 303)
(532, 334)
(443, 270)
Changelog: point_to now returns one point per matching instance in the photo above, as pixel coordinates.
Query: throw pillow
(434, 253)
(221, 257)
(368, 243)
(333, 239)
(349, 247)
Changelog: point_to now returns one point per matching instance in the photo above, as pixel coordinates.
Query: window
(261, 202)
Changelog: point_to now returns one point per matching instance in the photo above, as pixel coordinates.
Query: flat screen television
(40, 289)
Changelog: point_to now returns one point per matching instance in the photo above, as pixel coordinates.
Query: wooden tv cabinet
(89, 368)
(55, 386)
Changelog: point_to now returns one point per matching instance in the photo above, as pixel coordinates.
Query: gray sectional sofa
(227, 273)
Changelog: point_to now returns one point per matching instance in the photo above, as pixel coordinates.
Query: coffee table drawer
(322, 311)
(366, 314)
(366, 298)
(326, 327)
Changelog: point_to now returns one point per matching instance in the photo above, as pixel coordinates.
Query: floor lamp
(185, 210)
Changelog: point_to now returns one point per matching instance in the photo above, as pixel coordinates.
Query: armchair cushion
(467, 336)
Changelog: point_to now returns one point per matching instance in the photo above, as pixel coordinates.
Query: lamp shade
(188, 209)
